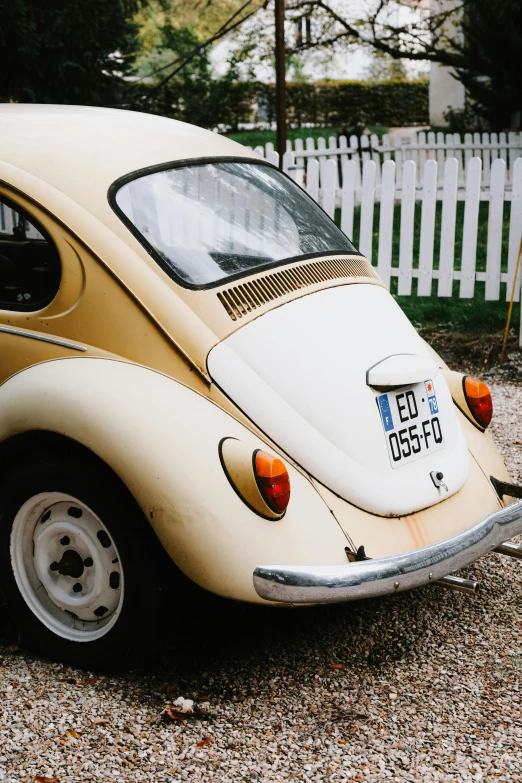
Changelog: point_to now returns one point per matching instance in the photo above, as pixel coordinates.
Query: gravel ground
(414, 687)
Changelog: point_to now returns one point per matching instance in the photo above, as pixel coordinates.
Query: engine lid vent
(239, 300)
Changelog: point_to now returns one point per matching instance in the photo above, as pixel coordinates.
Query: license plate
(411, 422)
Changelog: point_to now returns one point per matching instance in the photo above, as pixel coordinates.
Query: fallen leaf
(99, 721)
(204, 742)
(71, 733)
(43, 779)
(173, 714)
(92, 681)
(337, 666)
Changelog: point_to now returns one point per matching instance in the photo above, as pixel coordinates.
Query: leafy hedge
(331, 103)
(350, 103)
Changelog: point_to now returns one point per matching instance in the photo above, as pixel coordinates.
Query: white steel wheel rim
(67, 567)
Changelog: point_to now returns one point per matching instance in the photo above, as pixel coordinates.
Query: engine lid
(314, 374)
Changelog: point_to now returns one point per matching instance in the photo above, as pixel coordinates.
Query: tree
(384, 68)
(202, 17)
(490, 67)
(192, 93)
(479, 39)
(66, 51)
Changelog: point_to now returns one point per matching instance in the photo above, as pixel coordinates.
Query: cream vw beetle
(195, 361)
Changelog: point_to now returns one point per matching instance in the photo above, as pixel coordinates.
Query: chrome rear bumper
(331, 584)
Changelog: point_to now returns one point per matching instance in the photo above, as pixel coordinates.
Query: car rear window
(210, 221)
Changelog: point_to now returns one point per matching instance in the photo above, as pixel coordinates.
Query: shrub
(227, 103)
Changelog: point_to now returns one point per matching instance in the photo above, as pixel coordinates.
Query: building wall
(445, 92)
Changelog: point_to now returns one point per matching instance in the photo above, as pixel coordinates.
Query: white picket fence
(425, 268)
(420, 147)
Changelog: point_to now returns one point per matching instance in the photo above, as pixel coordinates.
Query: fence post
(468, 152)
(348, 197)
(272, 157)
(386, 143)
(447, 230)
(367, 204)
(332, 145)
(515, 228)
(328, 187)
(502, 139)
(299, 174)
(354, 145)
(384, 256)
(486, 157)
(374, 143)
(406, 230)
(427, 236)
(321, 146)
(469, 236)
(495, 221)
(422, 156)
(343, 145)
(312, 179)
(288, 160)
(440, 156)
(458, 155)
(310, 146)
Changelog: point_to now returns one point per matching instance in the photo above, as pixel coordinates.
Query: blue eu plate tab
(384, 407)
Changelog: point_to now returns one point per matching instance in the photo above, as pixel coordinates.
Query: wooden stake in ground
(510, 310)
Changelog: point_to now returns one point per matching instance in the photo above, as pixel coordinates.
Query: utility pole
(280, 79)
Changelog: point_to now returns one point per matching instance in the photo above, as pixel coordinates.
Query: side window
(30, 267)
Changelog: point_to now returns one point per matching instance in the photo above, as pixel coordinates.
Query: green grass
(448, 314)
(256, 138)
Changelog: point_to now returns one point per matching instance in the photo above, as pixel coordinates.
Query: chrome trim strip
(42, 338)
(368, 578)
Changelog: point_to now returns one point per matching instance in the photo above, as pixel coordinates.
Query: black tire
(135, 634)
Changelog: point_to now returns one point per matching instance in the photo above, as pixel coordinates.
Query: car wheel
(79, 564)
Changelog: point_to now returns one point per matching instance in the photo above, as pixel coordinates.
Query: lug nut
(65, 541)
(77, 588)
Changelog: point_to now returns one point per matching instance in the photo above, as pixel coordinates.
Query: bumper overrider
(331, 584)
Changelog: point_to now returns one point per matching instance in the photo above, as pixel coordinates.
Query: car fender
(162, 439)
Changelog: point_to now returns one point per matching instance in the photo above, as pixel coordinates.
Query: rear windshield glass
(211, 221)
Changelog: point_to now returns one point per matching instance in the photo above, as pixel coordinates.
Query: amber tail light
(478, 397)
(273, 480)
